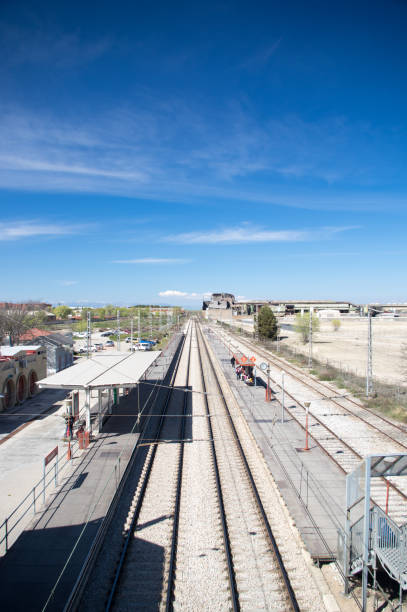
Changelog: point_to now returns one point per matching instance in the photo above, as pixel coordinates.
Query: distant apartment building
(29, 308)
(20, 369)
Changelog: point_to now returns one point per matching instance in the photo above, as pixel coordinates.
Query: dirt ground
(347, 347)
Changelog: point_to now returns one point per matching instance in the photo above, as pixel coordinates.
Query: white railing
(33, 500)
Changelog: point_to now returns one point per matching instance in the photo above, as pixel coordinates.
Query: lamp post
(268, 383)
(307, 405)
(118, 330)
(369, 365)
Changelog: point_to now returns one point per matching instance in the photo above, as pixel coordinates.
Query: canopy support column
(87, 410)
(99, 410)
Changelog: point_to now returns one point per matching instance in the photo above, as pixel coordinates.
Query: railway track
(344, 432)
(392, 431)
(136, 573)
(204, 527)
(268, 585)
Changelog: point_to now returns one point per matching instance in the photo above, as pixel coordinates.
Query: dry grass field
(347, 347)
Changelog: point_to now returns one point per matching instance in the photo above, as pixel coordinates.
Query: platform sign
(50, 456)
(263, 366)
(253, 359)
(47, 459)
(243, 359)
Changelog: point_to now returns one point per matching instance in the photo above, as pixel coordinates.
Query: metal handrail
(36, 492)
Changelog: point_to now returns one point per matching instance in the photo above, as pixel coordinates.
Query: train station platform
(41, 568)
(64, 532)
(311, 485)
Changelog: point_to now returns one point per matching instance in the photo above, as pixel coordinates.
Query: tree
(62, 312)
(14, 323)
(84, 313)
(110, 310)
(100, 312)
(336, 324)
(301, 326)
(266, 323)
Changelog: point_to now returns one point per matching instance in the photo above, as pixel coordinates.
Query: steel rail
(74, 599)
(225, 530)
(262, 512)
(277, 361)
(175, 525)
(333, 434)
(143, 489)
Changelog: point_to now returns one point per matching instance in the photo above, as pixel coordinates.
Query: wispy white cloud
(172, 151)
(152, 260)
(12, 162)
(68, 283)
(18, 230)
(247, 234)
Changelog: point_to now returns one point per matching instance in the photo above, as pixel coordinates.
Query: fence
(13, 524)
(35, 498)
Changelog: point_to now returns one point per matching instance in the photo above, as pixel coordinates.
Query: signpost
(47, 459)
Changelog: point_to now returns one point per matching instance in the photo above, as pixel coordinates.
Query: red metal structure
(247, 364)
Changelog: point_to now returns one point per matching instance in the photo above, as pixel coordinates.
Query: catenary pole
(131, 334)
(88, 334)
(369, 368)
(310, 339)
(118, 330)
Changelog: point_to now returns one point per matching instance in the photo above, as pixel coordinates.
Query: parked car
(107, 333)
(109, 343)
(143, 346)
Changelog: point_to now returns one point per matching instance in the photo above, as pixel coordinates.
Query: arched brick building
(20, 369)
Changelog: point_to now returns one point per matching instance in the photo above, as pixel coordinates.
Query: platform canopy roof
(103, 370)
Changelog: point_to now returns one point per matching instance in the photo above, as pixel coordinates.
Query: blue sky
(156, 152)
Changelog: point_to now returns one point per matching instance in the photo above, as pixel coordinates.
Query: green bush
(301, 326)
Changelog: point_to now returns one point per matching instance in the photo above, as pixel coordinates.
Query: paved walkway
(63, 534)
(312, 486)
(66, 529)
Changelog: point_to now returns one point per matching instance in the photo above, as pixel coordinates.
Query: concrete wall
(18, 375)
(58, 358)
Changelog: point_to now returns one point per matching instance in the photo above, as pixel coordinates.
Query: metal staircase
(387, 543)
